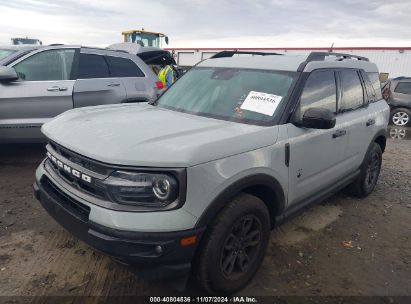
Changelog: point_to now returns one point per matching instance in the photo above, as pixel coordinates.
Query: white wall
(395, 62)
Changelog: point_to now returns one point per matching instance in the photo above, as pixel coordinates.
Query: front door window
(47, 66)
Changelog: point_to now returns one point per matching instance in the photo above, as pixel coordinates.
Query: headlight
(142, 189)
(165, 188)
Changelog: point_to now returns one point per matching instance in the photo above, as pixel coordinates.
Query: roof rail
(56, 44)
(224, 54)
(113, 50)
(320, 56)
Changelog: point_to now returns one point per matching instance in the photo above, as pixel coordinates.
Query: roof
(305, 63)
(141, 31)
(355, 48)
(132, 48)
(112, 48)
(23, 49)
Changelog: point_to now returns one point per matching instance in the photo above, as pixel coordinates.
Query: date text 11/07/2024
(238, 299)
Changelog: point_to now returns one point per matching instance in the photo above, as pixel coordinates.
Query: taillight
(159, 85)
(386, 91)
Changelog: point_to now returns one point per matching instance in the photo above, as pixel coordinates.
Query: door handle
(113, 84)
(370, 122)
(53, 89)
(339, 133)
(57, 89)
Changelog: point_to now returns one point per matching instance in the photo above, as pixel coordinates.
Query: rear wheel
(234, 247)
(370, 171)
(401, 117)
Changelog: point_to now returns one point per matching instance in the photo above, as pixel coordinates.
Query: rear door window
(123, 67)
(92, 66)
(352, 90)
(319, 92)
(47, 66)
(403, 88)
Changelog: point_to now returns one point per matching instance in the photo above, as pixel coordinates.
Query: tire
(222, 266)
(401, 117)
(370, 170)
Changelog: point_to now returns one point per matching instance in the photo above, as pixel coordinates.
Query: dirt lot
(306, 256)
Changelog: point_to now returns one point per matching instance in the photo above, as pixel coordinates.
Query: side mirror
(8, 74)
(318, 118)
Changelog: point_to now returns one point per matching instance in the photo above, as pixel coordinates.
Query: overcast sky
(202, 23)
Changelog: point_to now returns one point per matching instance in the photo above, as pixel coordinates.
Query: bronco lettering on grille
(69, 169)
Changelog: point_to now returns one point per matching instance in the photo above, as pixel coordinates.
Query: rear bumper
(154, 255)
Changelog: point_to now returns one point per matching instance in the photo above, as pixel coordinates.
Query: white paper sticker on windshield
(261, 102)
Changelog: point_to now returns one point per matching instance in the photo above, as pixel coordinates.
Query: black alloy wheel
(241, 246)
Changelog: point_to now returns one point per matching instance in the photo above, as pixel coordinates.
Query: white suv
(193, 183)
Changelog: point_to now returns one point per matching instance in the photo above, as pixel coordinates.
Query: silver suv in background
(397, 92)
(235, 147)
(40, 82)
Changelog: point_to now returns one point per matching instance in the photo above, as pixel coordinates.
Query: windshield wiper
(153, 103)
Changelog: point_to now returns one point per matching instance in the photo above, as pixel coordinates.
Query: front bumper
(154, 255)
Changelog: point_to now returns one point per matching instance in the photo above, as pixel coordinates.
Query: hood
(145, 135)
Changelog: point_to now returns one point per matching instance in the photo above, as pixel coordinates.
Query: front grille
(76, 208)
(81, 160)
(93, 190)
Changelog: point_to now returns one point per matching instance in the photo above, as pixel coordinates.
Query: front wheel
(234, 246)
(369, 172)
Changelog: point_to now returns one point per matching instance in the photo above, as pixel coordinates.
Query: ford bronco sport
(193, 183)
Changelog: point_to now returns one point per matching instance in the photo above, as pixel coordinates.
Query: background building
(393, 60)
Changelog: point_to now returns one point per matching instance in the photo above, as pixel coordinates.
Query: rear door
(316, 156)
(139, 88)
(43, 91)
(94, 85)
(355, 116)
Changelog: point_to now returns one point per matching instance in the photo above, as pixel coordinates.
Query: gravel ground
(306, 256)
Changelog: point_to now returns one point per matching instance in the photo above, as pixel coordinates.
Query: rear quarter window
(376, 84)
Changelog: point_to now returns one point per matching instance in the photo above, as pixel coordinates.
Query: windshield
(5, 53)
(242, 95)
(144, 39)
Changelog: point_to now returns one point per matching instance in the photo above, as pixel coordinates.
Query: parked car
(39, 82)
(397, 92)
(195, 182)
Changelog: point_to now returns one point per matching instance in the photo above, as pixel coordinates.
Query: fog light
(158, 249)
